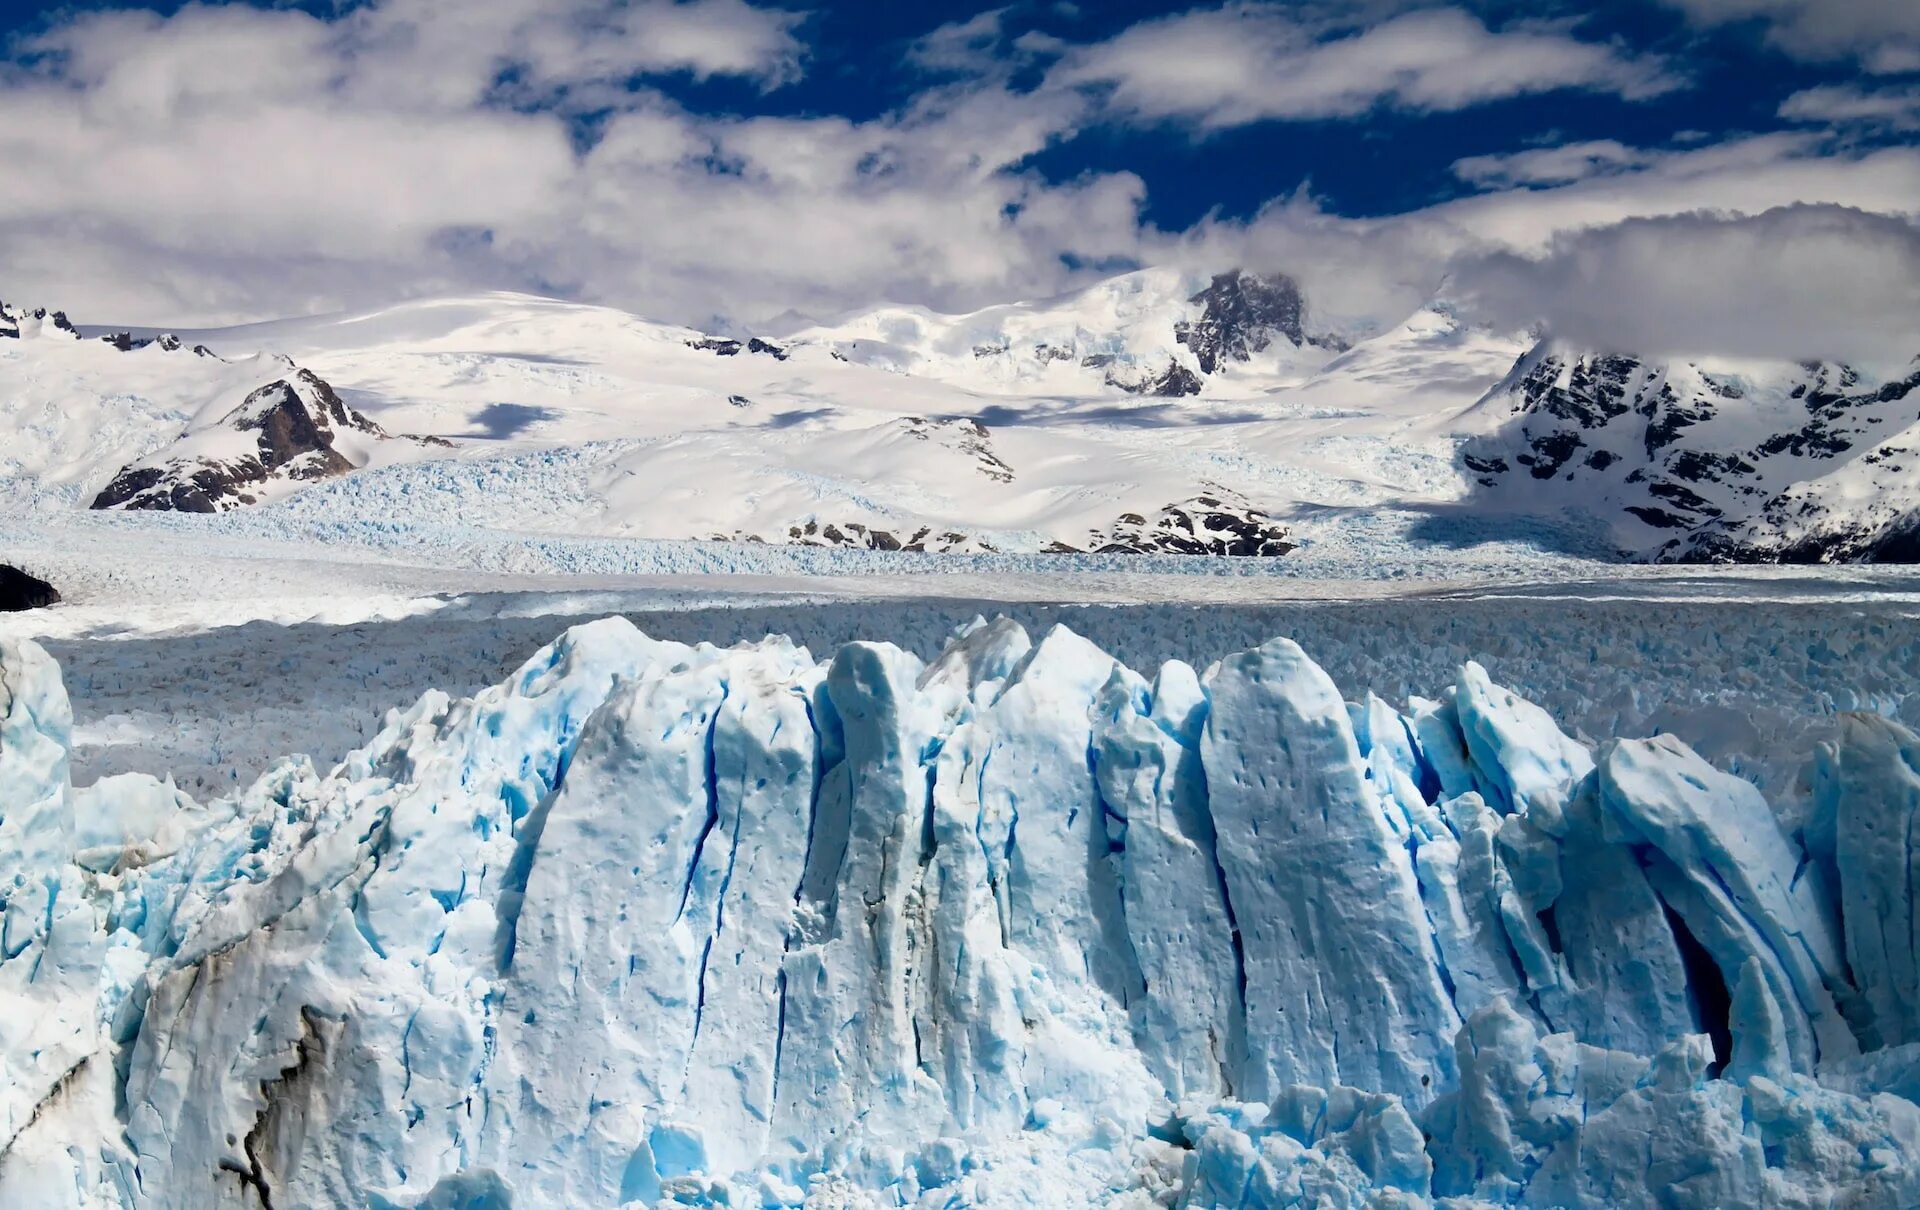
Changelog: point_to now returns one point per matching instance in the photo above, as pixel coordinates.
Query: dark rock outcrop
(1242, 314)
(1205, 525)
(17, 321)
(20, 591)
(1171, 383)
(853, 535)
(724, 347)
(295, 424)
(968, 437)
(127, 342)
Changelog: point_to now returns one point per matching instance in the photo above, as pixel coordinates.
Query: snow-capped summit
(1152, 332)
(1706, 459)
(1243, 315)
(291, 431)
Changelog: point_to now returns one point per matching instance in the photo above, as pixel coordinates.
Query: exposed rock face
(295, 429)
(1242, 315)
(1867, 511)
(1171, 383)
(127, 342)
(1204, 525)
(854, 535)
(16, 322)
(725, 347)
(1806, 463)
(20, 591)
(968, 437)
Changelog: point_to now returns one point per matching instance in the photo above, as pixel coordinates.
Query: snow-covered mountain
(1152, 332)
(1754, 461)
(583, 420)
(649, 924)
(1154, 412)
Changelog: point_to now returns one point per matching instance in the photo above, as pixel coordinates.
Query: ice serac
(651, 924)
(1866, 819)
(1342, 980)
(1719, 860)
(1192, 1017)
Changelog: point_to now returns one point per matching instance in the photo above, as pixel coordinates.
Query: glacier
(652, 923)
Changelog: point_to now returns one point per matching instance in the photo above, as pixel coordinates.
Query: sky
(1703, 177)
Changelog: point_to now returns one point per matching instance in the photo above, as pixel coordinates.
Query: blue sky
(695, 159)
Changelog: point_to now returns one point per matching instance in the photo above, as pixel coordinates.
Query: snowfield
(1154, 413)
(1011, 924)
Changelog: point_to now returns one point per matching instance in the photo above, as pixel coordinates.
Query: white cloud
(1381, 269)
(1550, 165)
(1253, 61)
(974, 45)
(1745, 176)
(1885, 34)
(1799, 282)
(1892, 109)
(238, 163)
(233, 162)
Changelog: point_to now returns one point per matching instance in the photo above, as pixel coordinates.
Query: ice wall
(657, 924)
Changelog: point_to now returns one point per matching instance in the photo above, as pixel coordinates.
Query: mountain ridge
(1139, 397)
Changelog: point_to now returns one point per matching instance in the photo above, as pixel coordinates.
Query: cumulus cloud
(1799, 282)
(1249, 62)
(1363, 271)
(1744, 176)
(234, 162)
(1890, 109)
(1884, 34)
(1550, 165)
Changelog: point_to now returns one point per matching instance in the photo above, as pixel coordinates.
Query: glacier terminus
(655, 924)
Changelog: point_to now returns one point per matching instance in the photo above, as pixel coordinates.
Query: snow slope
(582, 420)
(657, 924)
(1154, 412)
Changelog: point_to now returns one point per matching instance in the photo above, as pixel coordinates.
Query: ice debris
(654, 924)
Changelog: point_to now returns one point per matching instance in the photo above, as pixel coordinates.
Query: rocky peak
(1241, 314)
(296, 424)
(16, 322)
(127, 342)
(306, 405)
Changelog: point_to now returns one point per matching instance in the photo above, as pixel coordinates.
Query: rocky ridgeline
(724, 347)
(1805, 463)
(1204, 525)
(18, 323)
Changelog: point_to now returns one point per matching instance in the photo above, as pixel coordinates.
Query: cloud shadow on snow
(499, 421)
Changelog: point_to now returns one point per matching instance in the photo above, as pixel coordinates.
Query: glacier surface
(652, 923)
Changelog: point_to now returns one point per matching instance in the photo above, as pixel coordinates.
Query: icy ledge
(657, 924)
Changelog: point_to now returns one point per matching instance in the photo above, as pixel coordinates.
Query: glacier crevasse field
(657, 924)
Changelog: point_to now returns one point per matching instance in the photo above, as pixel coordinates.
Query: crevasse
(655, 924)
